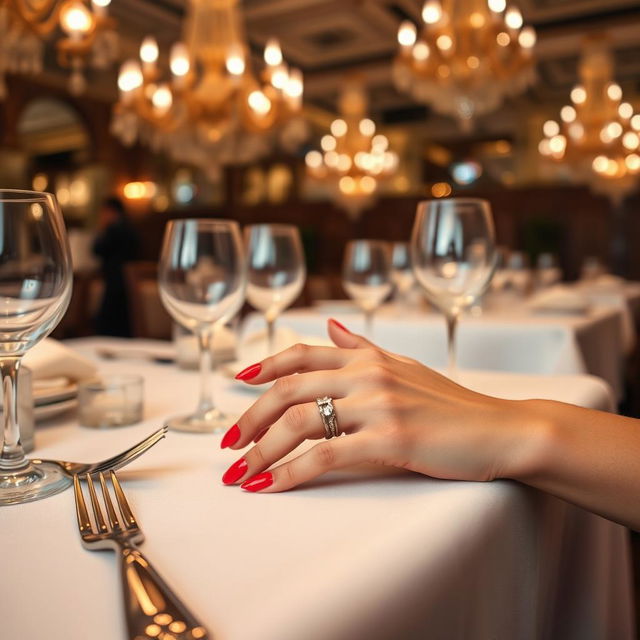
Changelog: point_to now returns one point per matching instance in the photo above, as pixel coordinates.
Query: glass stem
(452, 325)
(12, 453)
(368, 324)
(206, 395)
(271, 334)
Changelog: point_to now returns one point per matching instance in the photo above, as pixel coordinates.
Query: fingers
(299, 358)
(298, 423)
(285, 393)
(323, 457)
(342, 337)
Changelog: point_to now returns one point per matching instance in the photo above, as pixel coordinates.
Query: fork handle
(150, 601)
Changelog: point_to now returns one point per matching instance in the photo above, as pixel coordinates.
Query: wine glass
(276, 271)
(401, 270)
(454, 256)
(35, 288)
(202, 278)
(366, 276)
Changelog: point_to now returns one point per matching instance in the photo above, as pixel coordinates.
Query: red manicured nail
(231, 437)
(339, 325)
(235, 471)
(258, 483)
(249, 372)
(259, 436)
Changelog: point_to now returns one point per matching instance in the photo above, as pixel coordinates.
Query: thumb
(342, 337)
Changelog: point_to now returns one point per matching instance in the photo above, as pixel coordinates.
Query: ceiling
(328, 39)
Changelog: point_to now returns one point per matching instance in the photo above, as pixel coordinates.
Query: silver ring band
(329, 418)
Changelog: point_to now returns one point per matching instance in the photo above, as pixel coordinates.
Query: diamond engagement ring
(329, 418)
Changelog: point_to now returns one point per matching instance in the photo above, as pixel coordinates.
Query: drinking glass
(276, 270)
(366, 276)
(202, 278)
(35, 288)
(401, 270)
(454, 256)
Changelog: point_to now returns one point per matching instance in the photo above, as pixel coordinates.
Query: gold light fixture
(467, 56)
(354, 158)
(26, 25)
(598, 134)
(212, 100)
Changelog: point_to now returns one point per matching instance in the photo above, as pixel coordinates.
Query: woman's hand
(393, 410)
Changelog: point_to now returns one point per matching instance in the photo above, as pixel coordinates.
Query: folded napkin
(51, 359)
(560, 299)
(254, 347)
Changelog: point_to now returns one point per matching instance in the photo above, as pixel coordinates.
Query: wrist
(532, 442)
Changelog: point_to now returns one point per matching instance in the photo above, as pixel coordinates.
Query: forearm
(587, 457)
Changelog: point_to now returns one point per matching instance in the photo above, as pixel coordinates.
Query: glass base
(212, 421)
(32, 483)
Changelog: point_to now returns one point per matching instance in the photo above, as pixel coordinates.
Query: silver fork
(115, 462)
(152, 609)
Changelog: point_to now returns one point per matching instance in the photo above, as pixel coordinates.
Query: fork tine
(97, 509)
(125, 509)
(116, 462)
(111, 512)
(84, 523)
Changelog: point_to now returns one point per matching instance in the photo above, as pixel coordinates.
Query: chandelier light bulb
(568, 113)
(497, 6)
(503, 39)
(633, 162)
(273, 53)
(101, 3)
(179, 60)
(380, 143)
(328, 143)
(444, 42)
(614, 91)
(635, 122)
(431, 12)
(527, 38)
(557, 144)
(368, 184)
(347, 184)
(513, 18)
(544, 147)
(631, 140)
(149, 50)
(259, 102)
(576, 130)
(313, 159)
(407, 34)
(76, 19)
(162, 99)
(367, 127)
(600, 164)
(130, 76)
(421, 51)
(294, 86)
(551, 128)
(625, 110)
(578, 94)
(614, 129)
(331, 159)
(280, 77)
(235, 64)
(477, 20)
(338, 128)
(344, 162)
(605, 136)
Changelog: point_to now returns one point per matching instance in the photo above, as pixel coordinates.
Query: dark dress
(115, 246)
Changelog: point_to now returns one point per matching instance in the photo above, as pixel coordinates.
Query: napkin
(255, 347)
(51, 360)
(560, 299)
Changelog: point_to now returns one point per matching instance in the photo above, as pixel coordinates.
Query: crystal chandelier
(212, 108)
(466, 58)
(26, 26)
(354, 159)
(598, 134)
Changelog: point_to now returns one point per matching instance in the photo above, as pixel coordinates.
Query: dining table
(514, 339)
(361, 553)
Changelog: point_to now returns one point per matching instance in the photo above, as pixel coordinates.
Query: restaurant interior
(327, 135)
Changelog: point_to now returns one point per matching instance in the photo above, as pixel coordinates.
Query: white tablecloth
(364, 553)
(518, 341)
